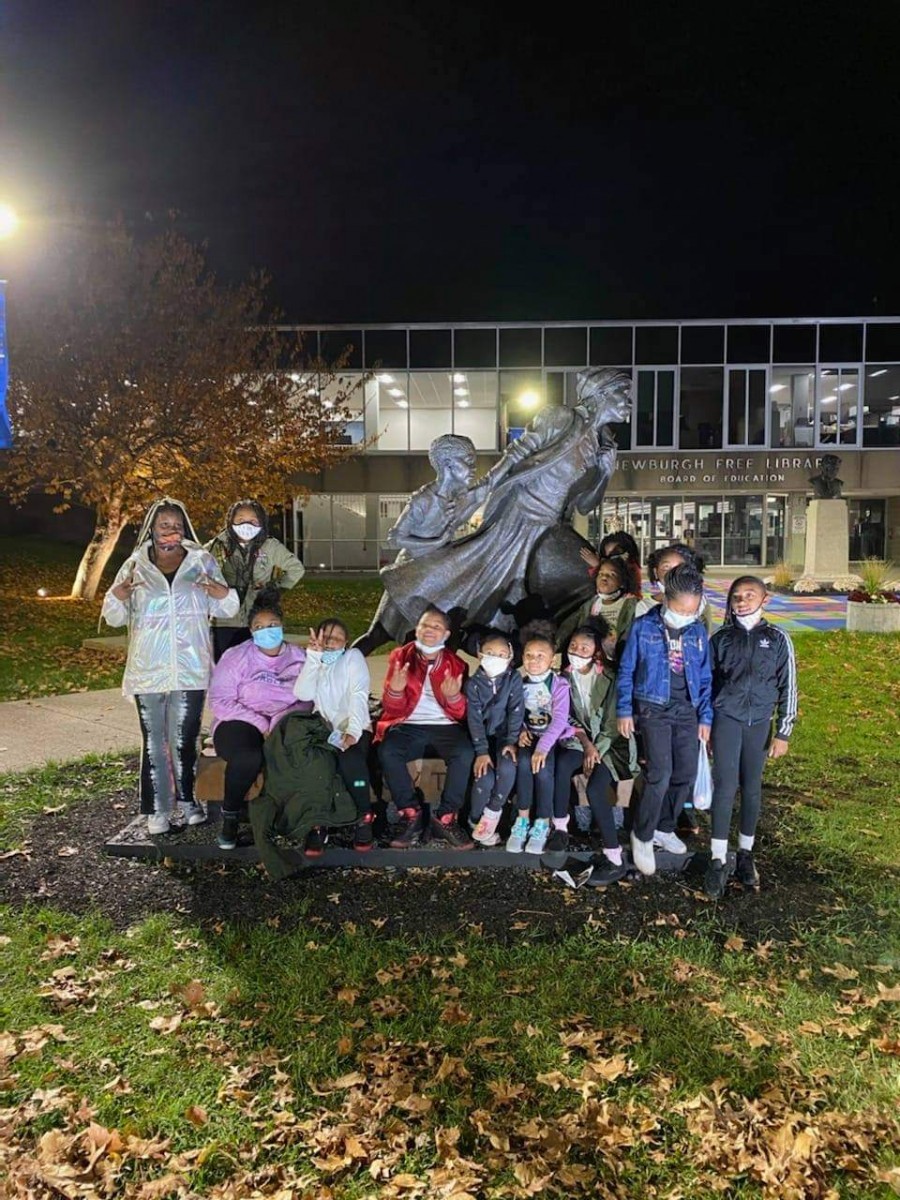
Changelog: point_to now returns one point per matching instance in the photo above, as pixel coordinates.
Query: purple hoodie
(248, 685)
(559, 725)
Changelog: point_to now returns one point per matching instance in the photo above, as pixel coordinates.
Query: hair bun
(269, 593)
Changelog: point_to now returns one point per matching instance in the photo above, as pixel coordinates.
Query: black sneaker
(410, 830)
(315, 842)
(606, 872)
(557, 841)
(228, 834)
(364, 837)
(745, 869)
(448, 829)
(716, 879)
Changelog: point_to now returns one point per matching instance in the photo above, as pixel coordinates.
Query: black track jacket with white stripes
(755, 675)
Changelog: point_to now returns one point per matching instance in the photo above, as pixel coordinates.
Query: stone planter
(873, 618)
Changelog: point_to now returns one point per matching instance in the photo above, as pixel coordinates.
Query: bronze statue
(523, 560)
(826, 484)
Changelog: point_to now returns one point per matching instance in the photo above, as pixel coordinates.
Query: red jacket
(397, 706)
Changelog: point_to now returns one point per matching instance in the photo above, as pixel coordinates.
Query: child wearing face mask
(754, 679)
(249, 559)
(664, 688)
(546, 722)
(613, 601)
(495, 709)
(659, 564)
(252, 688)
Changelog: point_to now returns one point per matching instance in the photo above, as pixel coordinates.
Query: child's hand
(778, 748)
(451, 687)
(537, 761)
(625, 726)
(509, 752)
(398, 681)
(524, 738)
(591, 758)
(483, 764)
(315, 642)
(124, 589)
(703, 733)
(348, 740)
(587, 555)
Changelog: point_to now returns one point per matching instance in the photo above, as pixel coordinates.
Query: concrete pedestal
(827, 539)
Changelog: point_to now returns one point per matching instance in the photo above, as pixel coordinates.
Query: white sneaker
(485, 832)
(158, 823)
(537, 839)
(192, 814)
(642, 856)
(669, 841)
(518, 836)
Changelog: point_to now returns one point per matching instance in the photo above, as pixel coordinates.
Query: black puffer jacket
(754, 675)
(494, 708)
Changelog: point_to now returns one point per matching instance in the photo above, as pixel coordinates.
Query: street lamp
(9, 223)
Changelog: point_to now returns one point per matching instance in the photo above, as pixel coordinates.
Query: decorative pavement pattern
(794, 612)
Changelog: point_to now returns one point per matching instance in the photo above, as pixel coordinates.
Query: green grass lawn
(40, 638)
(293, 1058)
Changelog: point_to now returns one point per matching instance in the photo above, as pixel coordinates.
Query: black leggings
(241, 746)
(353, 766)
(738, 757)
(568, 764)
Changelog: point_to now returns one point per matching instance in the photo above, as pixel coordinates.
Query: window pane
(702, 343)
(756, 409)
(387, 410)
(386, 348)
(565, 347)
(828, 398)
(883, 343)
(700, 419)
(430, 407)
(611, 344)
(656, 344)
(347, 390)
(350, 549)
(748, 343)
(429, 348)
(335, 343)
(840, 343)
(742, 522)
(737, 407)
(475, 407)
(881, 413)
(520, 347)
(794, 343)
(791, 398)
(665, 408)
(475, 347)
(847, 407)
(521, 396)
(867, 529)
(646, 396)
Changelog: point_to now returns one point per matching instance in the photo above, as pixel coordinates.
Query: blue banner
(5, 428)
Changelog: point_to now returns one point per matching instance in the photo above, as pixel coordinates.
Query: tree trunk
(108, 525)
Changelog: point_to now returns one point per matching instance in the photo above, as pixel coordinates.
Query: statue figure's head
(829, 465)
(453, 457)
(605, 394)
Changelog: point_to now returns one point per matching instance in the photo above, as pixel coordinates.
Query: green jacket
(274, 564)
(302, 789)
(598, 720)
(582, 616)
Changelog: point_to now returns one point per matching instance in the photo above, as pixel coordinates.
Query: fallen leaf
(196, 1115)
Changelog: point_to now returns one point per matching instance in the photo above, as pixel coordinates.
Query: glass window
(838, 406)
(701, 407)
(385, 348)
(840, 343)
(430, 407)
(521, 396)
(475, 347)
(306, 342)
(654, 407)
(351, 550)
(565, 347)
(883, 342)
(347, 390)
(656, 344)
(387, 410)
(520, 347)
(611, 344)
(881, 410)
(867, 528)
(430, 348)
(702, 343)
(775, 506)
(791, 403)
(741, 529)
(794, 343)
(745, 404)
(748, 343)
(389, 509)
(475, 407)
(342, 344)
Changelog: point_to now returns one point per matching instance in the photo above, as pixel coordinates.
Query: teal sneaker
(518, 836)
(540, 831)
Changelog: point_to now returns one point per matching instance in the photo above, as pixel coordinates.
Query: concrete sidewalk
(64, 728)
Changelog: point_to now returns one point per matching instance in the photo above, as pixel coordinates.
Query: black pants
(669, 733)
(738, 757)
(569, 763)
(537, 788)
(405, 743)
(241, 746)
(226, 636)
(354, 770)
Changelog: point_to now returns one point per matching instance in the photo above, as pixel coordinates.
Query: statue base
(827, 539)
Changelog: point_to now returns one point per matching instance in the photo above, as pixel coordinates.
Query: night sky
(409, 162)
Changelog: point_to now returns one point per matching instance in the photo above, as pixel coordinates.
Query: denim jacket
(644, 667)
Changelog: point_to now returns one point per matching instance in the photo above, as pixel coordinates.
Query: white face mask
(678, 620)
(750, 620)
(423, 649)
(245, 531)
(578, 663)
(494, 665)
(536, 678)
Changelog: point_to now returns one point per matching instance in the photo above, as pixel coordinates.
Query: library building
(729, 421)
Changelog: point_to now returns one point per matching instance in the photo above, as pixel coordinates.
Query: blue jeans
(170, 727)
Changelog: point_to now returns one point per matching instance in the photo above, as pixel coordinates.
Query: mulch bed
(64, 867)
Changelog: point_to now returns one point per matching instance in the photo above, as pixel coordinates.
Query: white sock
(614, 856)
(719, 848)
(745, 841)
(561, 823)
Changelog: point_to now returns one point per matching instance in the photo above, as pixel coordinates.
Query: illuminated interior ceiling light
(328, 404)
(294, 377)
(529, 399)
(459, 377)
(9, 221)
(875, 374)
(462, 404)
(460, 391)
(828, 399)
(403, 404)
(312, 391)
(844, 386)
(893, 397)
(395, 391)
(777, 387)
(384, 378)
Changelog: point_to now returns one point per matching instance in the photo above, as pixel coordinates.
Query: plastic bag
(703, 782)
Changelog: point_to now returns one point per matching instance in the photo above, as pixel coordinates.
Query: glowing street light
(9, 221)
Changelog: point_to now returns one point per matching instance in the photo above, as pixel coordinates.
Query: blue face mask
(331, 656)
(269, 638)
